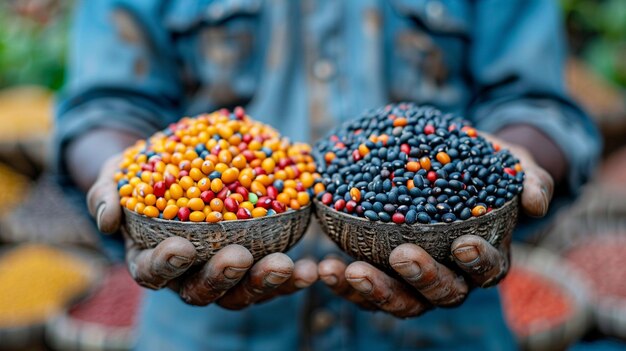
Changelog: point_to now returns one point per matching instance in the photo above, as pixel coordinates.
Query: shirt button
(323, 69)
(321, 320)
(434, 10)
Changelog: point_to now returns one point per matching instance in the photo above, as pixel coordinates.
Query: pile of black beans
(405, 163)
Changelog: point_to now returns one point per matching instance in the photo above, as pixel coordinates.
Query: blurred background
(556, 295)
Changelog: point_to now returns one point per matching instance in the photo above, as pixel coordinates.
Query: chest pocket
(218, 42)
(428, 40)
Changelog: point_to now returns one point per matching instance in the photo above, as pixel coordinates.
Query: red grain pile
(603, 263)
(115, 304)
(532, 303)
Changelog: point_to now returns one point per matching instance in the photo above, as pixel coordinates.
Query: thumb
(103, 200)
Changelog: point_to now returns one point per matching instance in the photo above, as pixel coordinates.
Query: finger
(103, 200)
(264, 277)
(332, 271)
(538, 190)
(388, 294)
(223, 271)
(484, 264)
(538, 184)
(154, 268)
(438, 284)
(304, 275)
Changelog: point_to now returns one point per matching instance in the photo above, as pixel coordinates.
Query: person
(304, 66)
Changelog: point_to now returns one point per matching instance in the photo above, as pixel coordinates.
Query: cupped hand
(422, 282)
(230, 278)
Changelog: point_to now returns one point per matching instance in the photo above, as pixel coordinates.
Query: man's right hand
(230, 278)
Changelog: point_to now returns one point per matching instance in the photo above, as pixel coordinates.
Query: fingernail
(467, 255)
(234, 272)
(409, 269)
(329, 280)
(301, 284)
(362, 285)
(99, 213)
(179, 261)
(276, 278)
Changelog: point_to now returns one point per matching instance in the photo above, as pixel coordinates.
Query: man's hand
(230, 278)
(426, 282)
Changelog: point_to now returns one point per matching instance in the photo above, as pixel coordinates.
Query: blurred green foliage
(31, 51)
(597, 33)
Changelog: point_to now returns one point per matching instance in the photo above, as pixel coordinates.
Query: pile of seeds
(407, 164)
(37, 281)
(601, 260)
(114, 304)
(214, 167)
(532, 303)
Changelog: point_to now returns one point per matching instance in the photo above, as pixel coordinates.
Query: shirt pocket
(429, 40)
(219, 43)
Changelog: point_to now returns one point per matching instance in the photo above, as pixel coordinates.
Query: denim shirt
(304, 66)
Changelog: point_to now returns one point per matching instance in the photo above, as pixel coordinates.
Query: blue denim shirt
(304, 66)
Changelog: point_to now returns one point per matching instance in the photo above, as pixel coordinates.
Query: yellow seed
(197, 216)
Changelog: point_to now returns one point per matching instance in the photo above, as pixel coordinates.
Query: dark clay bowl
(262, 236)
(373, 241)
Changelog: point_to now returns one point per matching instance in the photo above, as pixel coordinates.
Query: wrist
(86, 154)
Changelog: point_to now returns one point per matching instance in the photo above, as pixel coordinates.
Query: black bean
(448, 217)
(371, 215)
(422, 217)
(384, 217)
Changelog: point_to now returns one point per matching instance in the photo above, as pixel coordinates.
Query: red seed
(169, 180)
(183, 214)
(265, 202)
(397, 218)
(223, 194)
(240, 113)
(429, 129)
(278, 206)
(243, 213)
(405, 148)
(207, 196)
(340, 204)
(249, 155)
(258, 170)
(242, 191)
(272, 192)
(182, 174)
(351, 206)
(231, 204)
(327, 198)
(431, 176)
(233, 186)
(356, 155)
(510, 171)
(159, 189)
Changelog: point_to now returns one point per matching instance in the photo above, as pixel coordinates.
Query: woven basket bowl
(262, 236)
(373, 241)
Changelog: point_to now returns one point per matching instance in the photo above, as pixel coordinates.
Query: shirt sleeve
(516, 63)
(122, 73)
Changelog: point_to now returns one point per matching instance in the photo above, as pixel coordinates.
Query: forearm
(86, 154)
